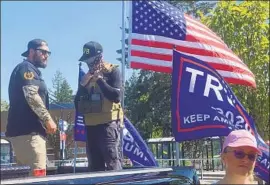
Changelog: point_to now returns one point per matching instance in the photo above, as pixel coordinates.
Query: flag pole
(75, 142)
(129, 30)
(123, 53)
(75, 157)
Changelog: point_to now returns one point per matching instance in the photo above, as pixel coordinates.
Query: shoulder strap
(109, 67)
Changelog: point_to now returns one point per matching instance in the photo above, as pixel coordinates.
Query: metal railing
(214, 164)
(200, 164)
(69, 162)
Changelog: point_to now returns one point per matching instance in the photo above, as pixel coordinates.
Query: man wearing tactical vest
(98, 99)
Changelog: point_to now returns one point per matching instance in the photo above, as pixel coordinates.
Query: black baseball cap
(91, 49)
(34, 44)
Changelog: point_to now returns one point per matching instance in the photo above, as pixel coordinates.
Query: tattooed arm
(35, 102)
(29, 79)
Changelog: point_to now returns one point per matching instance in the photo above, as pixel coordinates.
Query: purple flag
(79, 126)
(135, 148)
(203, 105)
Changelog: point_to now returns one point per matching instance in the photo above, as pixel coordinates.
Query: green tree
(194, 8)
(244, 27)
(4, 105)
(62, 92)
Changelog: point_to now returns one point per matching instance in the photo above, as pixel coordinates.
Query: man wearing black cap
(28, 118)
(98, 99)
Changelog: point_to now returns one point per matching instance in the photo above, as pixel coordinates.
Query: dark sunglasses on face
(241, 155)
(44, 52)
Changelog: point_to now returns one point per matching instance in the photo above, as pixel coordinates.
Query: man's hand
(97, 74)
(50, 126)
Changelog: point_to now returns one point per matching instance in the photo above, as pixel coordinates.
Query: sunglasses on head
(44, 52)
(241, 155)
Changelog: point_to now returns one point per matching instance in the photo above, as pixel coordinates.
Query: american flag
(158, 27)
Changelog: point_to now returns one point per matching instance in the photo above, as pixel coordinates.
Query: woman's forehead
(246, 149)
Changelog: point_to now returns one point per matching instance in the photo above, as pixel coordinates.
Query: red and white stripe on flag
(157, 28)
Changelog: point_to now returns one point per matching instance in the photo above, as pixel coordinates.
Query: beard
(95, 64)
(93, 68)
(38, 62)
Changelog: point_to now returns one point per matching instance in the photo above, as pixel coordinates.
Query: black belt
(104, 124)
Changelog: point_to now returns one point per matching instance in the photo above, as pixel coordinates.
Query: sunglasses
(44, 52)
(241, 155)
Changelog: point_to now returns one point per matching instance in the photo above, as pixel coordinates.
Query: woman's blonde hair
(251, 176)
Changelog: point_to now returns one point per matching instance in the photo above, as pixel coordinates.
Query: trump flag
(79, 126)
(203, 105)
(135, 148)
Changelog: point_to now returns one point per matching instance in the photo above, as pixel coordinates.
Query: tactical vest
(97, 109)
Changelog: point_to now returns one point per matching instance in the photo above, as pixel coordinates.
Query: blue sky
(66, 26)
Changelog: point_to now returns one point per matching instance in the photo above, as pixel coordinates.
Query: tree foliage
(4, 105)
(194, 8)
(148, 103)
(244, 27)
(62, 92)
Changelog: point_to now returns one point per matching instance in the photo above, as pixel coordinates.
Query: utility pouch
(90, 104)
